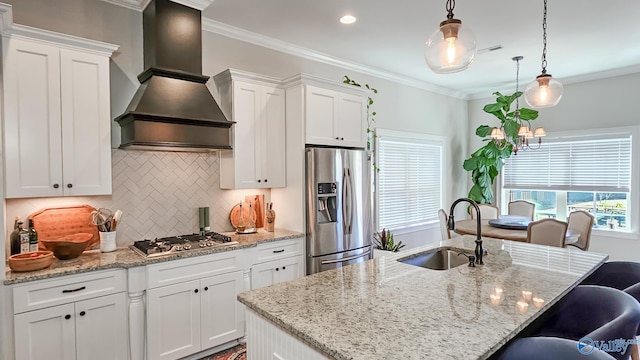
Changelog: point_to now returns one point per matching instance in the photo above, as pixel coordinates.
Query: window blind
(577, 165)
(409, 183)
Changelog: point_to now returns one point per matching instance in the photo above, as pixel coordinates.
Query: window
(409, 183)
(580, 173)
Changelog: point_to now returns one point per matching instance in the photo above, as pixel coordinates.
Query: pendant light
(452, 47)
(544, 91)
(521, 141)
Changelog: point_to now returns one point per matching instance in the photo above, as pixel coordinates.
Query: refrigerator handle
(347, 201)
(325, 262)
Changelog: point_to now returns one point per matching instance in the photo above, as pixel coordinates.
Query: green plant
(486, 162)
(384, 241)
(370, 116)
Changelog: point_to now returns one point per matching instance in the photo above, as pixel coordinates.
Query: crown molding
(139, 5)
(6, 18)
(291, 49)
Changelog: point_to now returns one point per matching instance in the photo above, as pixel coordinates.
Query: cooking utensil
(116, 219)
(101, 218)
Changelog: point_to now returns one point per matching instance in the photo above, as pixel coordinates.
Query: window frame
(634, 190)
(411, 137)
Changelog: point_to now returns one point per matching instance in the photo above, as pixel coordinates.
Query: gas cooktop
(168, 245)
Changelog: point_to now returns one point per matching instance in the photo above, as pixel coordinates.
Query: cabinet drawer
(71, 288)
(178, 271)
(279, 249)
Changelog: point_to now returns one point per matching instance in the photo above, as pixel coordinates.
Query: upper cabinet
(257, 104)
(335, 118)
(56, 115)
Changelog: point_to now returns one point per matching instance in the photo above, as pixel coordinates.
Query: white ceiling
(586, 39)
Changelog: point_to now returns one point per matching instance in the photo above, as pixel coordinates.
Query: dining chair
(522, 208)
(581, 222)
(444, 229)
(595, 312)
(487, 212)
(548, 231)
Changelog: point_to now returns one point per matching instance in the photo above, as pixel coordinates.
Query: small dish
(31, 261)
(247, 231)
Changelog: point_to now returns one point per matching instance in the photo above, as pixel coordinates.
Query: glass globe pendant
(452, 47)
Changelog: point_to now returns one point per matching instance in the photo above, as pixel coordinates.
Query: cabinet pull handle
(277, 269)
(206, 288)
(55, 186)
(278, 251)
(259, 180)
(82, 313)
(195, 291)
(73, 290)
(67, 316)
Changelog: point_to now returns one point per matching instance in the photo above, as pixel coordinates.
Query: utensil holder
(270, 220)
(107, 241)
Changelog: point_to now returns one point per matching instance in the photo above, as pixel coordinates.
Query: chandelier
(452, 47)
(544, 91)
(519, 142)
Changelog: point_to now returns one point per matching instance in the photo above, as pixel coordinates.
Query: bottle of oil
(23, 234)
(15, 238)
(33, 237)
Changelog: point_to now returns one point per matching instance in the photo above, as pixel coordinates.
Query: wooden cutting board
(58, 222)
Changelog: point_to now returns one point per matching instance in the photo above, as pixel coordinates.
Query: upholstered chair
(548, 231)
(581, 222)
(487, 212)
(522, 208)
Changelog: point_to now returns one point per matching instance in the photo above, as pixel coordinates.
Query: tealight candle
(495, 299)
(538, 302)
(526, 295)
(522, 306)
(498, 291)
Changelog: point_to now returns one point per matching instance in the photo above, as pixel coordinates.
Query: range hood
(173, 109)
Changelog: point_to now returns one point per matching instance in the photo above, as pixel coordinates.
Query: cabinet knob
(337, 138)
(69, 185)
(195, 291)
(67, 316)
(277, 269)
(82, 313)
(284, 267)
(206, 288)
(265, 180)
(341, 138)
(259, 180)
(55, 186)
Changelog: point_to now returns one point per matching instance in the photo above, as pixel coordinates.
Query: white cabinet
(278, 262)
(335, 118)
(93, 327)
(57, 119)
(257, 105)
(196, 306)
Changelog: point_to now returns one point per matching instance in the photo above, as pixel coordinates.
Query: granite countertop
(125, 257)
(384, 309)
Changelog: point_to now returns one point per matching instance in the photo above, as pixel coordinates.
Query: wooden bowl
(31, 261)
(70, 247)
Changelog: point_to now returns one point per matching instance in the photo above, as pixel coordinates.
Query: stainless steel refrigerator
(339, 217)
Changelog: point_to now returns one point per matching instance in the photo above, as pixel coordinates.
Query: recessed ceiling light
(348, 19)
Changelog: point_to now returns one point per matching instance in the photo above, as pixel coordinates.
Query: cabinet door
(102, 328)
(45, 334)
(320, 113)
(222, 314)
(290, 269)
(272, 138)
(263, 275)
(86, 125)
(351, 122)
(173, 320)
(246, 110)
(33, 149)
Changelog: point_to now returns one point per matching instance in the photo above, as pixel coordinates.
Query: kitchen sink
(443, 259)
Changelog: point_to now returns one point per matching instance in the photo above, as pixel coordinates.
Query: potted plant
(384, 241)
(486, 162)
(370, 117)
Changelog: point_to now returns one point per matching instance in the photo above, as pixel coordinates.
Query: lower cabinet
(187, 317)
(277, 271)
(89, 329)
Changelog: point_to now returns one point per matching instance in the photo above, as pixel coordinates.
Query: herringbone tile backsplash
(159, 194)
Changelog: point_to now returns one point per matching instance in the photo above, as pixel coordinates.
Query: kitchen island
(385, 309)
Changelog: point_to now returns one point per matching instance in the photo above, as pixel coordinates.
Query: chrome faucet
(479, 251)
